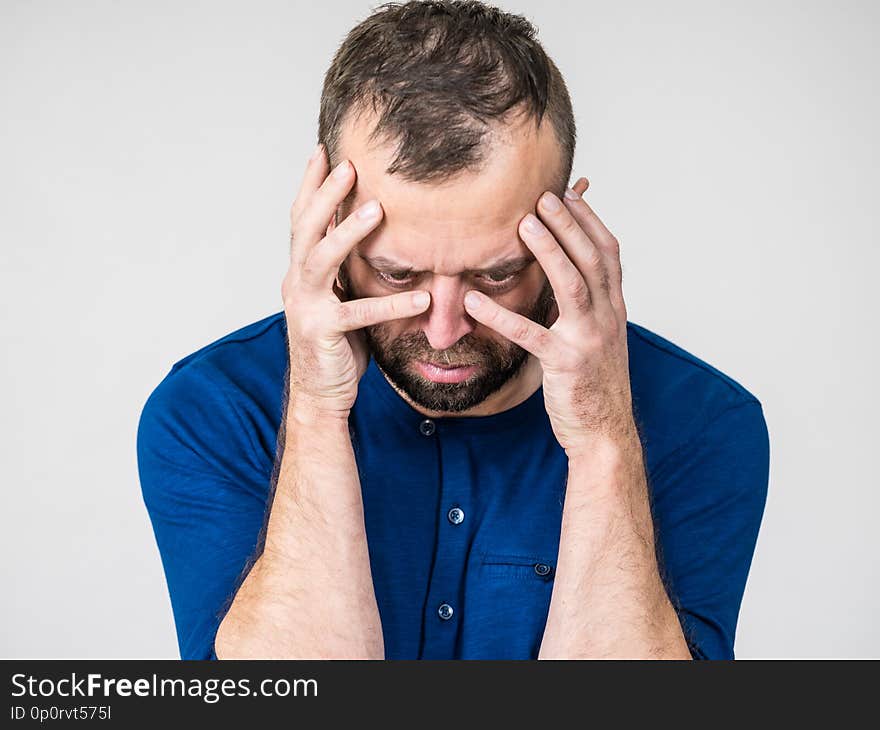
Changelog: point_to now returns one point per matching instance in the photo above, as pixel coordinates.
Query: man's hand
(608, 598)
(328, 351)
(310, 593)
(584, 353)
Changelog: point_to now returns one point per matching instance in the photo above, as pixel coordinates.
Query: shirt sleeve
(205, 504)
(708, 501)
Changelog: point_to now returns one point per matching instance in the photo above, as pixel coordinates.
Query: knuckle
(345, 313)
(577, 287)
(521, 331)
(397, 305)
(568, 225)
(309, 269)
(540, 336)
(295, 213)
(299, 210)
(562, 260)
(594, 258)
(584, 303)
(489, 313)
(289, 291)
(578, 291)
(592, 342)
(610, 322)
(353, 314)
(347, 231)
(363, 309)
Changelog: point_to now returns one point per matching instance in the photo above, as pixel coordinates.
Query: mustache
(468, 351)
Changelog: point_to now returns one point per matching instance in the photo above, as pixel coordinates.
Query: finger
(368, 311)
(578, 247)
(315, 172)
(315, 219)
(569, 287)
(520, 330)
(580, 187)
(594, 227)
(608, 244)
(322, 264)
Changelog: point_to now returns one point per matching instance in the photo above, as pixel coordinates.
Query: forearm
(310, 593)
(608, 598)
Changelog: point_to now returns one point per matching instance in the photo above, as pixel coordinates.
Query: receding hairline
(498, 132)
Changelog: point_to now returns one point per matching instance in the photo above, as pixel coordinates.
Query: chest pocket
(507, 599)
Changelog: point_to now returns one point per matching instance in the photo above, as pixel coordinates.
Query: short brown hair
(435, 73)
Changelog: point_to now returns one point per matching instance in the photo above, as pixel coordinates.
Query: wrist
(302, 411)
(611, 472)
(604, 451)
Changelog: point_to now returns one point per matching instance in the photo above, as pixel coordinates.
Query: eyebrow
(499, 266)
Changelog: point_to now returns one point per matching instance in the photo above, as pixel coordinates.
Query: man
(528, 475)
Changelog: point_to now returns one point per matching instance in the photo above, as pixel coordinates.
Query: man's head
(456, 121)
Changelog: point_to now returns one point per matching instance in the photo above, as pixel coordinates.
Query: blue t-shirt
(462, 514)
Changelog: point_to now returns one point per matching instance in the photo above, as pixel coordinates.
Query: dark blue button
(542, 569)
(445, 611)
(427, 427)
(455, 515)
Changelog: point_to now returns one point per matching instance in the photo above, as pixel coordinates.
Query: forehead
(459, 224)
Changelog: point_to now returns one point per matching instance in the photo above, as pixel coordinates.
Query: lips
(444, 373)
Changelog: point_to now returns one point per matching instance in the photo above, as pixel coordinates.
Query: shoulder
(216, 411)
(677, 395)
(260, 343)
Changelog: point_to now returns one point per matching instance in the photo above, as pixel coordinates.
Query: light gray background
(150, 152)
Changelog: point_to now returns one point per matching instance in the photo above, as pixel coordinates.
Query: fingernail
(341, 169)
(472, 300)
(421, 298)
(533, 224)
(550, 202)
(368, 210)
(317, 153)
(571, 194)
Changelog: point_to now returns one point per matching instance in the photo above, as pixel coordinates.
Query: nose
(446, 320)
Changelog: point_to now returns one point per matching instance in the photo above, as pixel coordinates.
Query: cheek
(386, 334)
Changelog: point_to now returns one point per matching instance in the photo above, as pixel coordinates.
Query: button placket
(445, 611)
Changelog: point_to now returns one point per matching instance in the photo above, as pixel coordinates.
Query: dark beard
(499, 361)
